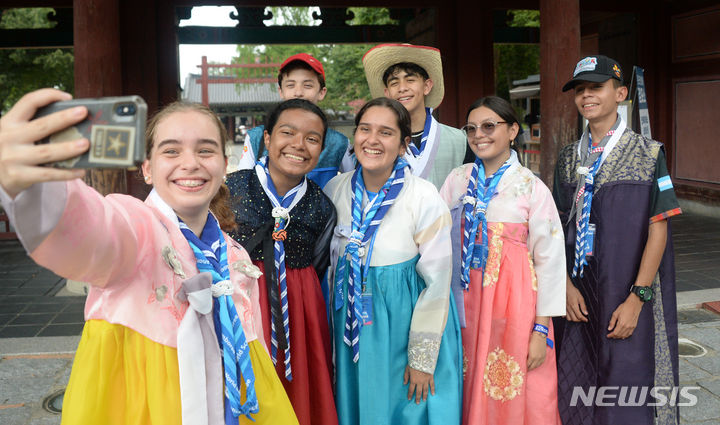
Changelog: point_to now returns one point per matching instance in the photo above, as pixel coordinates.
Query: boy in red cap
(618, 342)
(301, 76)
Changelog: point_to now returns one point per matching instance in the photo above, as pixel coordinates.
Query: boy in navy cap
(614, 196)
(301, 76)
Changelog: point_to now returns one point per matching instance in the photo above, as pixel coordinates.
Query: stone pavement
(33, 369)
(40, 324)
(31, 301)
(703, 328)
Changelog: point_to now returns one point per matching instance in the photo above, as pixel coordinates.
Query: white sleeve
(547, 250)
(432, 237)
(248, 160)
(348, 161)
(35, 211)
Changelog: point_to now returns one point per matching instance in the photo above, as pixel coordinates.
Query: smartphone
(115, 127)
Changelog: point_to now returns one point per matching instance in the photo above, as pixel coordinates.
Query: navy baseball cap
(596, 69)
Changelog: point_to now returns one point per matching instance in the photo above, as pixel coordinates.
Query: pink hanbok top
(131, 252)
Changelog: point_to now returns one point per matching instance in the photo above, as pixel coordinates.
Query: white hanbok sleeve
(432, 236)
(248, 160)
(547, 250)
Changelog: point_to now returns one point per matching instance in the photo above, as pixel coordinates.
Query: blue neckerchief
(426, 132)
(211, 256)
(364, 226)
(480, 191)
(281, 213)
(581, 226)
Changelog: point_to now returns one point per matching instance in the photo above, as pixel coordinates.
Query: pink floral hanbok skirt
(500, 313)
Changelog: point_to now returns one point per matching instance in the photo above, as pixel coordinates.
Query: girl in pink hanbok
(508, 275)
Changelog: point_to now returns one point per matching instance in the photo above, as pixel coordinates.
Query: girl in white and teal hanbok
(398, 354)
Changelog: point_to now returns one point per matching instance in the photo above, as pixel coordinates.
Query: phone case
(115, 127)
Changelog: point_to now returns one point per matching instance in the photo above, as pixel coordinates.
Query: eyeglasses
(487, 127)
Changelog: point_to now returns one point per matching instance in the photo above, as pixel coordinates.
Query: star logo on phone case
(112, 144)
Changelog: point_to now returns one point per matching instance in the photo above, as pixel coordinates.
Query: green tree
(24, 70)
(342, 62)
(516, 61)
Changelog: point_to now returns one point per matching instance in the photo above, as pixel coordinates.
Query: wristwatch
(645, 293)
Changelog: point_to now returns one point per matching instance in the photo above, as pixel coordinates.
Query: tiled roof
(231, 93)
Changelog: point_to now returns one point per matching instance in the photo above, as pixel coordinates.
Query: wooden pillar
(98, 71)
(559, 53)
(465, 40)
(168, 55)
(476, 69)
(204, 81)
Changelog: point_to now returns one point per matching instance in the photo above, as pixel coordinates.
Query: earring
(147, 179)
(225, 179)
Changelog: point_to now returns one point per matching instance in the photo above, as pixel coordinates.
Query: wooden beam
(36, 38)
(293, 34)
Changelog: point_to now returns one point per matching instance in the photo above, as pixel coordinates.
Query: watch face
(644, 293)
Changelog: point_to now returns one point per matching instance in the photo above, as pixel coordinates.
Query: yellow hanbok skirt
(122, 377)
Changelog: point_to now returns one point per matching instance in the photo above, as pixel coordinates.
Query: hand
(419, 383)
(624, 319)
(20, 157)
(536, 351)
(574, 304)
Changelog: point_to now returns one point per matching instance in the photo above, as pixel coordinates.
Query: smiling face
(598, 102)
(493, 149)
(408, 89)
(186, 164)
(378, 141)
(294, 146)
(302, 83)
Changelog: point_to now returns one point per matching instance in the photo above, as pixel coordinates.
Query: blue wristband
(542, 329)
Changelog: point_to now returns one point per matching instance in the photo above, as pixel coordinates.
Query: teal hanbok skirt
(371, 391)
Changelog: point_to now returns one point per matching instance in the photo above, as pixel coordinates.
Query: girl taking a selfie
(173, 331)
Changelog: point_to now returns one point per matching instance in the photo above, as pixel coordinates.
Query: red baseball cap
(315, 64)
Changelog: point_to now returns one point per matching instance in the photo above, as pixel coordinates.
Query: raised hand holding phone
(21, 158)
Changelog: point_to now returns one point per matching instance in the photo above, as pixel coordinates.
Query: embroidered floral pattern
(170, 304)
(423, 349)
(247, 268)
(177, 314)
(632, 159)
(532, 272)
(161, 292)
(555, 230)
(503, 378)
(466, 361)
(525, 184)
(169, 256)
(492, 267)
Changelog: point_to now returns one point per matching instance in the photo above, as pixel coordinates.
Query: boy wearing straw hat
(413, 76)
(301, 76)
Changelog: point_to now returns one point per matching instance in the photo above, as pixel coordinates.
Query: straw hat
(381, 57)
